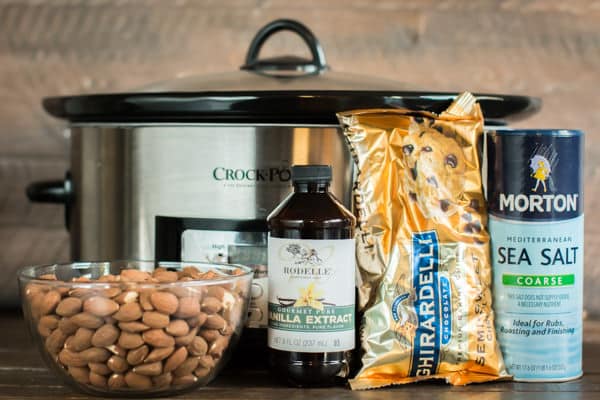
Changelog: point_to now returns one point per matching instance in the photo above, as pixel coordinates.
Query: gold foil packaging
(422, 247)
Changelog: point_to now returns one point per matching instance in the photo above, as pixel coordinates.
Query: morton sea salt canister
(535, 200)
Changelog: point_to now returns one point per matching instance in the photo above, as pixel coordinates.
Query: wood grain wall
(549, 49)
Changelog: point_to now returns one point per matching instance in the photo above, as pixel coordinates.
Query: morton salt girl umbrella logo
(540, 194)
(542, 164)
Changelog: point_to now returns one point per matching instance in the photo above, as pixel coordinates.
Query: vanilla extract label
(311, 295)
(332, 319)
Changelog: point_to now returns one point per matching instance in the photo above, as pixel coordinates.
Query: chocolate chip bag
(422, 247)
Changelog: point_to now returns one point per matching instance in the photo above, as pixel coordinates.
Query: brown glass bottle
(312, 212)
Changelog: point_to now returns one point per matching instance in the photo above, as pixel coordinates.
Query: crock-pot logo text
(274, 174)
(540, 188)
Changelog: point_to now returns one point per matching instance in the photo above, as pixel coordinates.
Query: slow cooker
(188, 169)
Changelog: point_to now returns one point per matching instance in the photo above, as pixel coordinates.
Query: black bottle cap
(311, 173)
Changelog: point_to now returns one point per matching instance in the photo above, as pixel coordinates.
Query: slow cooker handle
(56, 191)
(285, 63)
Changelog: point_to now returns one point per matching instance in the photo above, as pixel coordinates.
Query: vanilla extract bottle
(311, 249)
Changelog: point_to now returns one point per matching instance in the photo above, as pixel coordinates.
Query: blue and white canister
(535, 200)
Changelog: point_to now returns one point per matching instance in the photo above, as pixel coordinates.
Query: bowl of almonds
(136, 328)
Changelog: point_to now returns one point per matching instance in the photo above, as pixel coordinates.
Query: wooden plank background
(549, 49)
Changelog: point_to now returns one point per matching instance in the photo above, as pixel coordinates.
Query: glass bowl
(135, 328)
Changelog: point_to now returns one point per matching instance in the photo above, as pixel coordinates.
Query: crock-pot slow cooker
(188, 169)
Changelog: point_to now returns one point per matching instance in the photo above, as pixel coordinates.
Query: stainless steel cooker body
(124, 176)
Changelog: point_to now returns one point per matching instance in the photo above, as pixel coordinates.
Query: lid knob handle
(285, 63)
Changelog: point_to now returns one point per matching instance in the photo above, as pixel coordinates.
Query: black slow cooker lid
(280, 90)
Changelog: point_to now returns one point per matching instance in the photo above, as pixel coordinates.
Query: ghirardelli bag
(422, 247)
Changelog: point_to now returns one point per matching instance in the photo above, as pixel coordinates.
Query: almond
(99, 368)
(208, 275)
(216, 291)
(100, 306)
(129, 296)
(191, 272)
(187, 339)
(105, 336)
(234, 313)
(178, 328)
(95, 354)
(158, 338)
(176, 359)
(155, 319)
(182, 291)
(215, 321)
(184, 380)
(71, 358)
(87, 320)
(197, 320)
(117, 350)
(137, 356)
(69, 306)
(47, 324)
(210, 335)
(117, 364)
(151, 369)
(111, 292)
(128, 312)
(188, 307)
(206, 361)
(145, 301)
(164, 302)
(229, 299)
(136, 381)
(82, 293)
(202, 372)
(159, 354)
(133, 327)
(134, 275)
(81, 340)
(165, 276)
(116, 381)
(211, 305)
(227, 331)
(80, 374)
(67, 326)
(36, 304)
(218, 347)
(98, 380)
(163, 380)
(55, 342)
(33, 289)
(51, 300)
(198, 347)
(128, 340)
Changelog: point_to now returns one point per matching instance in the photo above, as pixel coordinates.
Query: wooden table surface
(24, 375)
